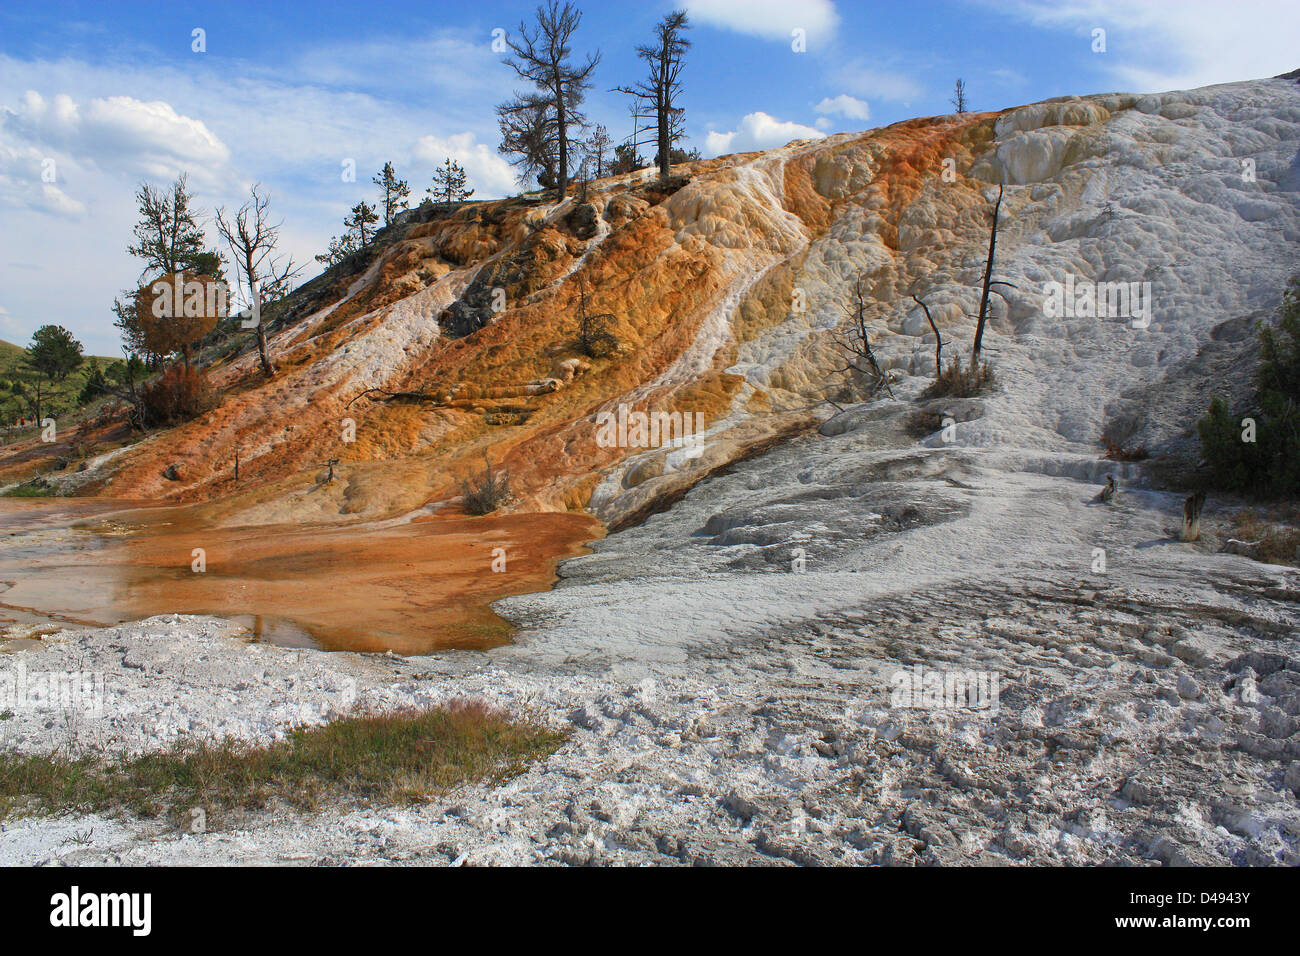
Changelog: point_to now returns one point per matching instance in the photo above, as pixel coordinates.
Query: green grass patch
(59, 398)
(393, 758)
(31, 490)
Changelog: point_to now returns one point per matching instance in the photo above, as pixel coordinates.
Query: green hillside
(59, 398)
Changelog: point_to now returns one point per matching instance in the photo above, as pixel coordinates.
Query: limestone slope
(722, 288)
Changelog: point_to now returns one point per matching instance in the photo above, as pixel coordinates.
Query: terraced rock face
(478, 310)
(721, 289)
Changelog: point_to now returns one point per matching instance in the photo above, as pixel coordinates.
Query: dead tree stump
(1191, 529)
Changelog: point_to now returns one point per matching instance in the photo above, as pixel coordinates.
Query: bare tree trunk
(988, 281)
(664, 119)
(262, 352)
(1191, 530)
(562, 123)
(938, 340)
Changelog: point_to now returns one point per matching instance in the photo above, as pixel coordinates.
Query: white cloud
(23, 170)
(118, 134)
(881, 84)
(1157, 47)
(850, 107)
(770, 19)
(228, 125)
(489, 174)
(758, 131)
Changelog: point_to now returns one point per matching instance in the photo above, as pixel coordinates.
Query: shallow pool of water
(412, 587)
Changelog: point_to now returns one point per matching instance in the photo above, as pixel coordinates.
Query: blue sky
(101, 96)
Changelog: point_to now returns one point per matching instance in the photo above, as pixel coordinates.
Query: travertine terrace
(726, 654)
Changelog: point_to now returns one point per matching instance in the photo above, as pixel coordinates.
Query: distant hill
(63, 394)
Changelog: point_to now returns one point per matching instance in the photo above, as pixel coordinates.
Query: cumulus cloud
(770, 19)
(850, 107)
(758, 131)
(1156, 47)
(489, 174)
(118, 133)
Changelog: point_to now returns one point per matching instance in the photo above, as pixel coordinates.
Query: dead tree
(541, 55)
(1191, 529)
(857, 345)
(938, 339)
(660, 89)
(959, 96)
(263, 276)
(989, 283)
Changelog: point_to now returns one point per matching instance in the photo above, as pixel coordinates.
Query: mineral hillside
(727, 651)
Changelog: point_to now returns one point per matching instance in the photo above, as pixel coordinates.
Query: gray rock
(740, 804)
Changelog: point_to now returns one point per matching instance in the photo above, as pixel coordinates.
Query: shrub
(1276, 538)
(1118, 437)
(488, 493)
(1270, 464)
(180, 393)
(958, 382)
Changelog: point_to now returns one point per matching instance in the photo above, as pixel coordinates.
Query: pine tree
(361, 222)
(394, 192)
(96, 385)
(340, 248)
(169, 238)
(449, 182)
(597, 150)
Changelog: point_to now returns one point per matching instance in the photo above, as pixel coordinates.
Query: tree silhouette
(543, 57)
(393, 192)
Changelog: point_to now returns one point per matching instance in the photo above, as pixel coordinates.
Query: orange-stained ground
(328, 561)
(412, 588)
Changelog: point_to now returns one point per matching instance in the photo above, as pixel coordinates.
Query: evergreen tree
(449, 182)
(598, 149)
(361, 222)
(96, 385)
(394, 192)
(169, 238)
(1258, 450)
(54, 353)
(340, 248)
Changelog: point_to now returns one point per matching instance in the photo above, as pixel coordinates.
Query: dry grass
(1118, 438)
(957, 381)
(1277, 532)
(391, 758)
(922, 424)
